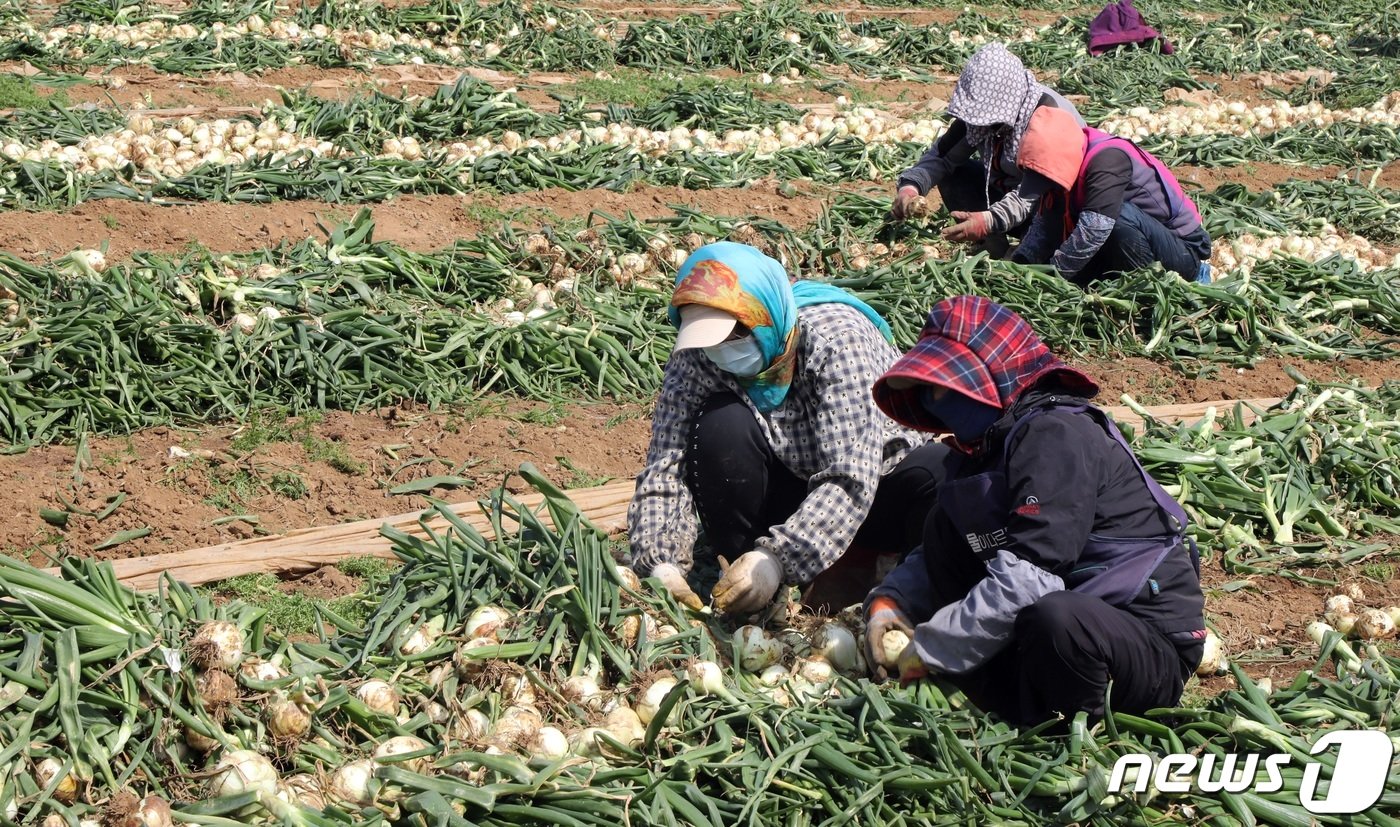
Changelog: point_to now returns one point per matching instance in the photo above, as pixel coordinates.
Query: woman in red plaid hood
(1052, 564)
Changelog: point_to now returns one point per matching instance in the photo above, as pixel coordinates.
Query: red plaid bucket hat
(976, 347)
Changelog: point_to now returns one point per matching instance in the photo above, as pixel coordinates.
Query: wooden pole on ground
(304, 550)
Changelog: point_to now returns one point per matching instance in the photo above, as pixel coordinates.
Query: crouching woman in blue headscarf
(766, 437)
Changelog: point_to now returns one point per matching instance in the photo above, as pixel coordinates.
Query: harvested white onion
(351, 782)
(582, 690)
(549, 743)
(1213, 660)
(773, 675)
(401, 745)
(836, 645)
(624, 724)
(892, 645)
(1374, 624)
(816, 672)
(649, 705)
(755, 650)
(242, 771)
(287, 719)
(65, 788)
(218, 644)
(484, 621)
(379, 696)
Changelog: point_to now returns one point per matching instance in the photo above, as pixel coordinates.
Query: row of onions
(170, 149)
(770, 38)
(443, 327)
(175, 149)
(1237, 117)
(531, 680)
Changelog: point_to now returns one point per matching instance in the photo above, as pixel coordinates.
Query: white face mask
(741, 357)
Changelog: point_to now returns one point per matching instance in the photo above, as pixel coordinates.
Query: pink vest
(1153, 188)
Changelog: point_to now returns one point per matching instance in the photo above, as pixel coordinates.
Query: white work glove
(749, 583)
(884, 615)
(675, 583)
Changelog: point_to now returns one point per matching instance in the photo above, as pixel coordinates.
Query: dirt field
(273, 475)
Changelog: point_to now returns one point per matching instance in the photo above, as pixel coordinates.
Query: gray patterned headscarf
(995, 89)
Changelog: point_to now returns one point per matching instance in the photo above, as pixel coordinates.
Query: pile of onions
(171, 151)
(1239, 118)
(1244, 252)
(1341, 612)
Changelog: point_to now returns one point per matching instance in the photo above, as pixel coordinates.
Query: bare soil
(1263, 623)
(287, 481)
(421, 223)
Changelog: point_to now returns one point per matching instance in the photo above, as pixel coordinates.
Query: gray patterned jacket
(827, 430)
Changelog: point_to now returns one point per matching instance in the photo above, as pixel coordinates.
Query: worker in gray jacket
(988, 195)
(765, 436)
(1052, 566)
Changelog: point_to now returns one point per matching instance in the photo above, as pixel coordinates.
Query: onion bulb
(124, 809)
(549, 743)
(518, 690)
(632, 627)
(582, 690)
(217, 691)
(199, 742)
(773, 675)
(628, 577)
(351, 782)
(379, 696)
(1340, 604)
(1353, 591)
(469, 667)
(485, 621)
(50, 772)
(1343, 623)
(836, 645)
(649, 706)
(755, 650)
(518, 727)
(304, 789)
(585, 743)
(401, 745)
(241, 771)
(625, 725)
(816, 672)
(287, 719)
(1374, 624)
(154, 811)
(707, 678)
(256, 669)
(217, 645)
(415, 640)
(1213, 660)
(892, 645)
(470, 728)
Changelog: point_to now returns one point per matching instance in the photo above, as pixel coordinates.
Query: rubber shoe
(1203, 274)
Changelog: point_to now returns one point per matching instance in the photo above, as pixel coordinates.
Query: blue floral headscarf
(741, 280)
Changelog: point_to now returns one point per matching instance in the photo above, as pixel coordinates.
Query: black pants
(1137, 240)
(742, 489)
(1064, 650)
